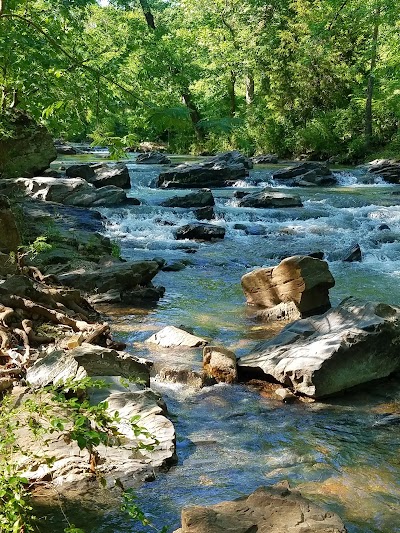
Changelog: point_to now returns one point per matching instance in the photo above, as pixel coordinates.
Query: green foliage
(76, 418)
(110, 77)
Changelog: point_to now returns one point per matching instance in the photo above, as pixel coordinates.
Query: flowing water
(230, 440)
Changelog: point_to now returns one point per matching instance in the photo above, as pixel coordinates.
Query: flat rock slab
(73, 191)
(171, 336)
(355, 343)
(125, 463)
(87, 360)
(275, 509)
(122, 276)
(269, 199)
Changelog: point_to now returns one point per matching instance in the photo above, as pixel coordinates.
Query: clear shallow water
(230, 440)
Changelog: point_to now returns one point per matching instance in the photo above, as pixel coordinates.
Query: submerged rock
(204, 213)
(268, 198)
(352, 344)
(301, 280)
(273, 509)
(201, 198)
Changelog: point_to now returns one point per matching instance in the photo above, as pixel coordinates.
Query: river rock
(117, 175)
(204, 213)
(74, 191)
(10, 238)
(171, 336)
(83, 171)
(87, 360)
(273, 509)
(303, 280)
(201, 198)
(313, 178)
(200, 231)
(218, 172)
(353, 254)
(152, 158)
(268, 198)
(123, 463)
(233, 157)
(318, 356)
(28, 151)
(125, 277)
(387, 169)
(266, 159)
(66, 149)
(301, 170)
(219, 363)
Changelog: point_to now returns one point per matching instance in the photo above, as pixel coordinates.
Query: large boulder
(74, 191)
(83, 171)
(129, 279)
(320, 173)
(200, 231)
(28, 150)
(170, 336)
(152, 158)
(101, 175)
(220, 171)
(355, 343)
(201, 198)
(117, 175)
(386, 169)
(302, 280)
(10, 238)
(269, 199)
(273, 509)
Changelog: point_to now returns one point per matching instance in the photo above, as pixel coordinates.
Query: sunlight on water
(230, 440)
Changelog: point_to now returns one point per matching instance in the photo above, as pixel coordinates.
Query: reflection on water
(230, 440)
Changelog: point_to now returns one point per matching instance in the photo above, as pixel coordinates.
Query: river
(343, 452)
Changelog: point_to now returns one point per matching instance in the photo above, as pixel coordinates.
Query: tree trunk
(371, 77)
(148, 15)
(249, 88)
(194, 113)
(231, 94)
